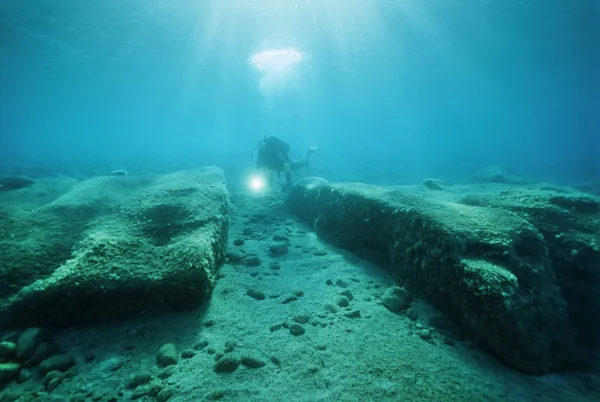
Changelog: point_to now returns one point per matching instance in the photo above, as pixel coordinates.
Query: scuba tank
(272, 142)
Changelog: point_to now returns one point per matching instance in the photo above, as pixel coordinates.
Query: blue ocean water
(399, 89)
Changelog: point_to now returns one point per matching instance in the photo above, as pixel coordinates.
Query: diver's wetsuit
(273, 154)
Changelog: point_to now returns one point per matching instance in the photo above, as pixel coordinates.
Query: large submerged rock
(111, 247)
(569, 221)
(489, 268)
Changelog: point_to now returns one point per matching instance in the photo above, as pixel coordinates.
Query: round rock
(168, 354)
(278, 248)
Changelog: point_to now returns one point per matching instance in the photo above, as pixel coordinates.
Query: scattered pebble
(425, 334)
(281, 236)
(138, 379)
(252, 362)
(150, 389)
(112, 364)
(343, 301)
(230, 346)
(433, 184)
(165, 394)
(348, 294)
(201, 344)
(319, 253)
(396, 299)
(168, 354)
(166, 372)
(329, 308)
(188, 353)
(289, 299)
(301, 319)
(278, 248)
(251, 260)
(28, 342)
(53, 379)
(341, 283)
(353, 314)
(256, 294)
(78, 397)
(9, 371)
(227, 364)
(296, 329)
(24, 375)
(239, 242)
(412, 314)
(56, 363)
(298, 293)
(235, 255)
(248, 231)
(98, 395)
(7, 349)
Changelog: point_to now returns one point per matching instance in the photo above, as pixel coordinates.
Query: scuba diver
(272, 154)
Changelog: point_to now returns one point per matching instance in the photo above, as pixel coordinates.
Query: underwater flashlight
(257, 183)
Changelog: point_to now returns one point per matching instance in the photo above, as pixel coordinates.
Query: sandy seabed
(360, 352)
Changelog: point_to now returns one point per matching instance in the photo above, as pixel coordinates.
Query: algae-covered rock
(488, 268)
(569, 222)
(131, 244)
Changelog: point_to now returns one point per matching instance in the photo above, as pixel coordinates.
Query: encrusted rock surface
(111, 247)
(491, 265)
